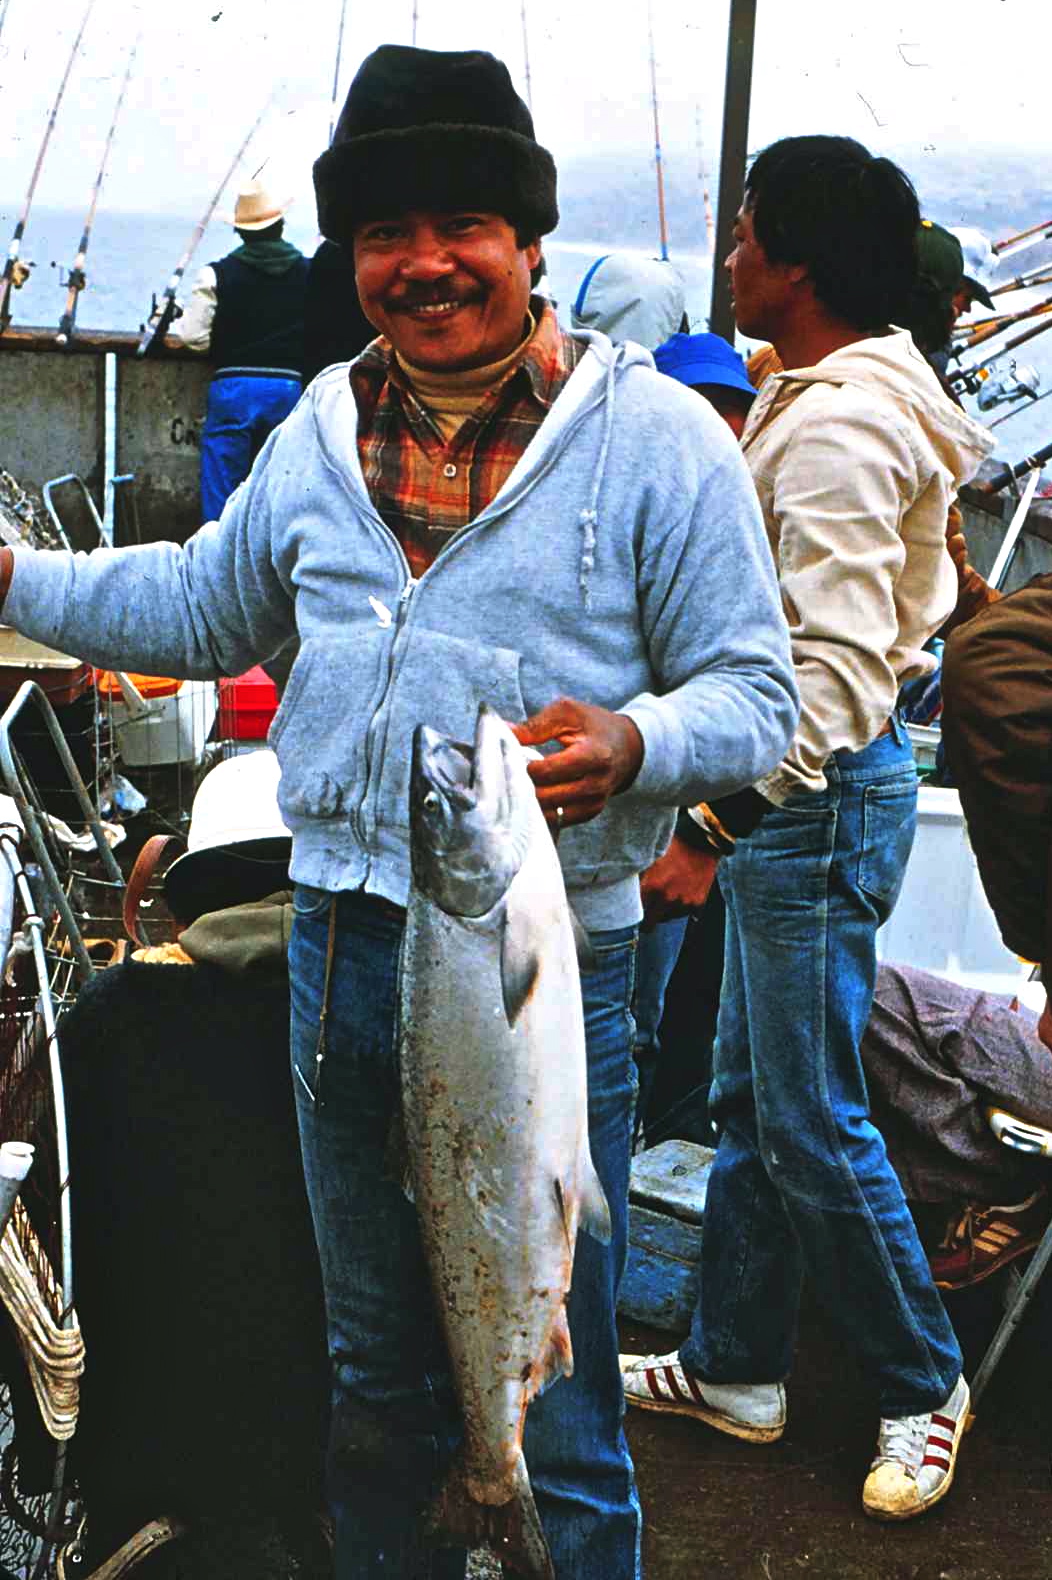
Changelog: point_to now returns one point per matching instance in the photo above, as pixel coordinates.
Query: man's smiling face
(450, 291)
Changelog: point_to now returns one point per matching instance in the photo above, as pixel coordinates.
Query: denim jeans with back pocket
(801, 1178)
(395, 1415)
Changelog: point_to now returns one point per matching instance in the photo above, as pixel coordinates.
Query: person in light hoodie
(478, 508)
(856, 454)
(629, 297)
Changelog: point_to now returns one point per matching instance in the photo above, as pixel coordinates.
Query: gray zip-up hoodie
(623, 563)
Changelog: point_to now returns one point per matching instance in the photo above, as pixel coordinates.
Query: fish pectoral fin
(587, 959)
(557, 1360)
(511, 1530)
(595, 1210)
(520, 966)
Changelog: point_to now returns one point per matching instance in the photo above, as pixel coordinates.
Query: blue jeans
(243, 410)
(659, 949)
(395, 1415)
(801, 1178)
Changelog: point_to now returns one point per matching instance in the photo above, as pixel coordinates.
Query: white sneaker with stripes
(753, 1411)
(916, 1458)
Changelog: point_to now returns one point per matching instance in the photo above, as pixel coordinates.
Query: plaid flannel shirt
(425, 489)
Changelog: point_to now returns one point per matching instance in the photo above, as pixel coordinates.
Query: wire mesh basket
(60, 902)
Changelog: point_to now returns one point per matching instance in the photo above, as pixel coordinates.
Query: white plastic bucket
(943, 921)
(171, 729)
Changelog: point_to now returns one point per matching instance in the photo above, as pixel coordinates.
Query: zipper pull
(407, 591)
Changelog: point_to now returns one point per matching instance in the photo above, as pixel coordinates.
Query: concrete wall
(51, 416)
(52, 421)
(160, 413)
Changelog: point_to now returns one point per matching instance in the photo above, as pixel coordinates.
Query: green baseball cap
(940, 264)
(940, 261)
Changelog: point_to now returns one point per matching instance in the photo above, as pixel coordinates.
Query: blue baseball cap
(703, 359)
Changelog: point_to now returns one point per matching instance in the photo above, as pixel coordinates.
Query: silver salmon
(496, 1117)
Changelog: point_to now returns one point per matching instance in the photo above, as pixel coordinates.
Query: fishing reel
(1021, 382)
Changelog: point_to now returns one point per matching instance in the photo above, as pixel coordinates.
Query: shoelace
(974, 1219)
(903, 1441)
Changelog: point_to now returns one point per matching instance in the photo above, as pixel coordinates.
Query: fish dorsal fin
(520, 966)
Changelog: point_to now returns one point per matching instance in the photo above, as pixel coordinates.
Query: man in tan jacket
(856, 454)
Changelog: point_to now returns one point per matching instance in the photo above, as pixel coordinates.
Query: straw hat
(256, 208)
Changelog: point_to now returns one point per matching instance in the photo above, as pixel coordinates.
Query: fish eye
(431, 801)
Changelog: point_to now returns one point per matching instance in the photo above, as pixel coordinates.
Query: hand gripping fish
(496, 1114)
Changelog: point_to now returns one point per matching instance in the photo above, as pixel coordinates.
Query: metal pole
(741, 33)
(662, 226)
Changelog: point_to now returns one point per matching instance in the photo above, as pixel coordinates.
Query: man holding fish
(480, 509)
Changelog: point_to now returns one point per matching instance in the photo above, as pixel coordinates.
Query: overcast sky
(908, 76)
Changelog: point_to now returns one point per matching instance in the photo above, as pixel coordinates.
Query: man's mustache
(429, 296)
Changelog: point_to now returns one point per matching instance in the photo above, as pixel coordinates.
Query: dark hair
(849, 217)
(272, 232)
(927, 316)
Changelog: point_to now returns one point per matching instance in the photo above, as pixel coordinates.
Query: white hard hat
(238, 847)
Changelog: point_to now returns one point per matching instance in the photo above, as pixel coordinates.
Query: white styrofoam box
(173, 730)
(943, 921)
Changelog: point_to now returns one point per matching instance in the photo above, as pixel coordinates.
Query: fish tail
(511, 1530)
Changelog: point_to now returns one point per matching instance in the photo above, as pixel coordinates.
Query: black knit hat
(433, 129)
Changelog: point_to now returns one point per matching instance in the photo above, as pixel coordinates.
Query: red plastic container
(246, 706)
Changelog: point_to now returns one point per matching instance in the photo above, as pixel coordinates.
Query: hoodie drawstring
(589, 517)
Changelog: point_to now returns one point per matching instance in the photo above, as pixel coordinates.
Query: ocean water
(132, 255)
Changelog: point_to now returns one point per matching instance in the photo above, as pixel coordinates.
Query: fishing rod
(996, 326)
(77, 279)
(1017, 409)
(1010, 474)
(15, 271)
(703, 181)
(1012, 244)
(415, 14)
(970, 380)
(160, 325)
(526, 56)
(657, 138)
(3, 13)
(1039, 276)
(336, 73)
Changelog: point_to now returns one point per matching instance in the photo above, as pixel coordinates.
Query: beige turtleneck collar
(450, 398)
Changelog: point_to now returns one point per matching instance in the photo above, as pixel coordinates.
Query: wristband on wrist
(693, 833)
(700, 834)
(719, 836)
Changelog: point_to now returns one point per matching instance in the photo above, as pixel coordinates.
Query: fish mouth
(440, 766)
